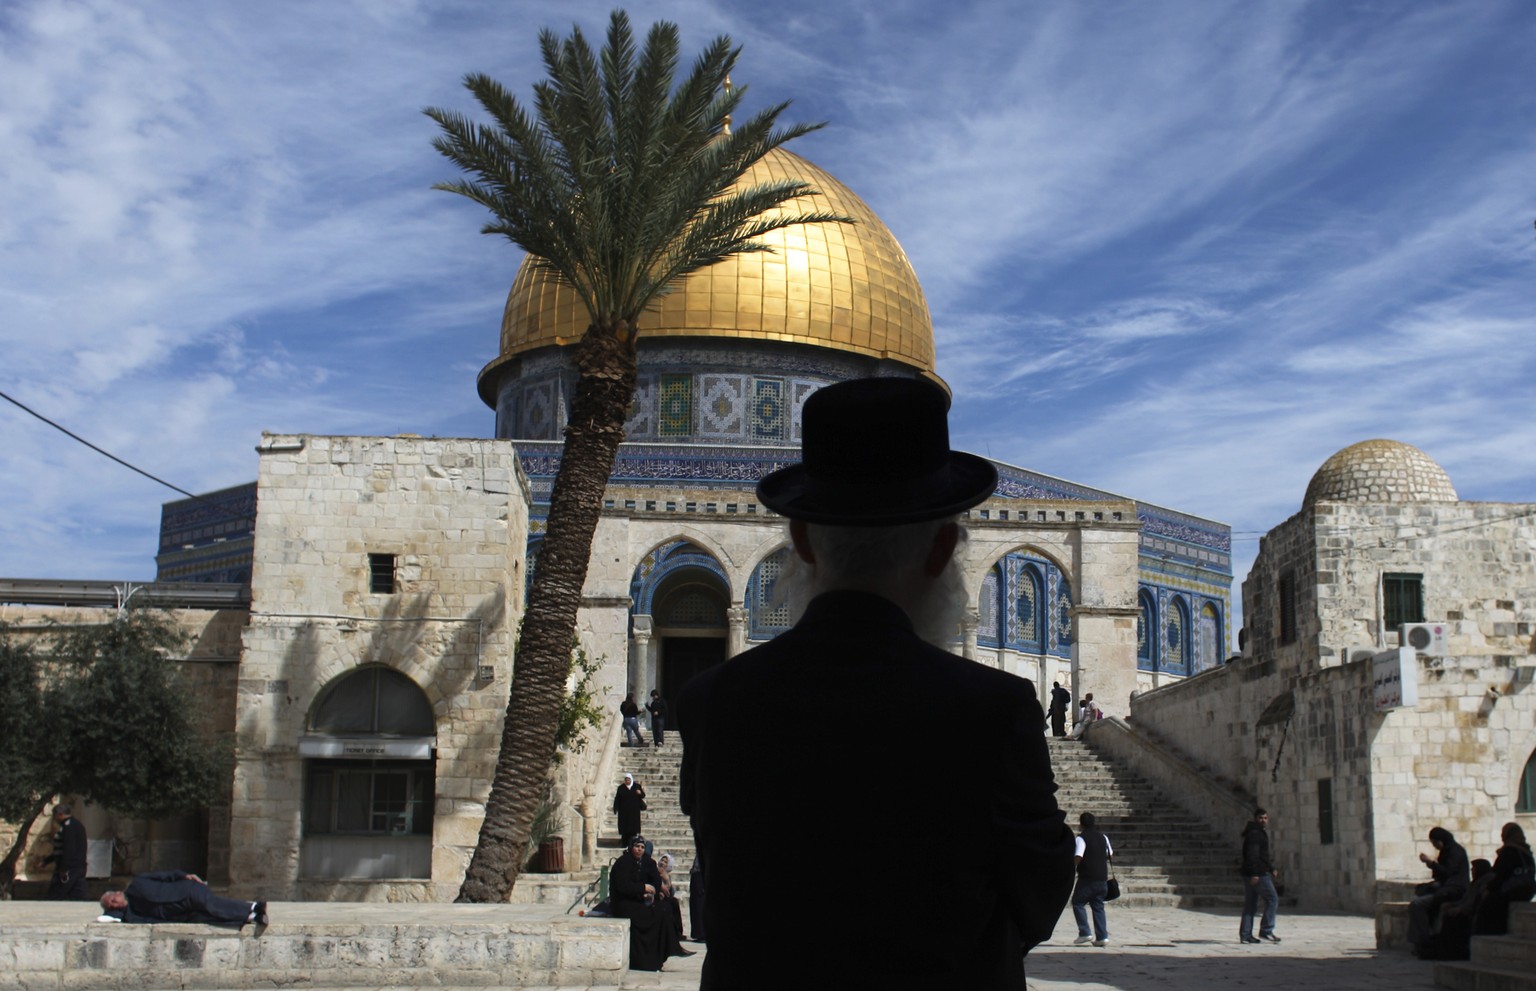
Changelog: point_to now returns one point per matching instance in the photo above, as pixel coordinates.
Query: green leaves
(616, 182)
(111, 718)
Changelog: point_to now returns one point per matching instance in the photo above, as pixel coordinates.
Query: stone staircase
(1163, 854)
(1499, 963)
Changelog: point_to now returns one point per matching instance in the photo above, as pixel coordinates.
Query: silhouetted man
(68, 857)
(873, 513)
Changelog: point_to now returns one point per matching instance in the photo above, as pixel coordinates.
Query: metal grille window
(1402, 599)
(1526, 802)
(1325, 811)
(381, 574)
(390, 798)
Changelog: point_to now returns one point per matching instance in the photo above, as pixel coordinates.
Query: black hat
(876, 453)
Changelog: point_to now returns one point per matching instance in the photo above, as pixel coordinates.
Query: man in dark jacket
(68, 857)
(176, 896)
(1259, 873)
(1060, 700)
(657, 707)
(873, 511)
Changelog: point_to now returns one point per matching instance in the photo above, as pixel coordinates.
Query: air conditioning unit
(1425, 638)
(1354, 655)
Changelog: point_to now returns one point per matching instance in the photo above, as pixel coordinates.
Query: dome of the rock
(844, 287)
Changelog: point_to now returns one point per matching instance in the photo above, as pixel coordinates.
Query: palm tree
(620, 185)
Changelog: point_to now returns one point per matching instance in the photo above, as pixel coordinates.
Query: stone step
(1467, 976)
(1510, 952)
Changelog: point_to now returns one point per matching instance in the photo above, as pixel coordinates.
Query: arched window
(1210, 638)
(1526, 802)
(369, 782)
(1146, 638)
(1028, 609)
(1176, 644)
(767, 618)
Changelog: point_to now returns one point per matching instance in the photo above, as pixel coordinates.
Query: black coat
(1257, 861)
(924, 778)
(628, 803)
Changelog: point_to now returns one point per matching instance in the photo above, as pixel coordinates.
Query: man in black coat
(1060, 699)
(951, 857)
(68, 857)
(657, 707)
(176, 896)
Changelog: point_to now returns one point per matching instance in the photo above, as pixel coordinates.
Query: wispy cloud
(1179, 251)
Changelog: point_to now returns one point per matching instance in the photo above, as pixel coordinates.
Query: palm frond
(618, 182)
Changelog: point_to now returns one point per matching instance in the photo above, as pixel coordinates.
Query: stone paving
(1163, 949)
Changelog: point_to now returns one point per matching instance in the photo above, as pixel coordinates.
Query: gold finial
(726, 130)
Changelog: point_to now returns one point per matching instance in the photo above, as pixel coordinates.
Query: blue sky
(1182, 251)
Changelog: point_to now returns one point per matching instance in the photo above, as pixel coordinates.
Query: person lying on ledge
(176, 896)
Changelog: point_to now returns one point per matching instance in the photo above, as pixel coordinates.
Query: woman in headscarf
(628, 803)
(1514, 880)
(634, 886)
(1452, 876)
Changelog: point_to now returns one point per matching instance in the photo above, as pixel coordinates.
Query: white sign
(1395, 679)
(367, 748)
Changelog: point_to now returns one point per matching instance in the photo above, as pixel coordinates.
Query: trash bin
(552, 856)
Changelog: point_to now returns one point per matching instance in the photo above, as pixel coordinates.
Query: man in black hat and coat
(873, 512)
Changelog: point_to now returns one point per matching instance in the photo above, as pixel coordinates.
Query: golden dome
(1380, 471)
(843, 286)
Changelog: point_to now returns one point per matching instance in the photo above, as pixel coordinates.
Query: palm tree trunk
(605, 387)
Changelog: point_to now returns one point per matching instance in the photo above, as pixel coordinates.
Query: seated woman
(670, 904)
(634, 885)
(1453, 941)
(1452, 877)
(1514, 880)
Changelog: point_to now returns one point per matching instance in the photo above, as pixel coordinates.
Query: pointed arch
(1210, 641)
(1146, 630)
(1177, 637)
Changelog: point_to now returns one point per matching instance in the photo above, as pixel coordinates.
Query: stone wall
(454, 515)
(1293, 714)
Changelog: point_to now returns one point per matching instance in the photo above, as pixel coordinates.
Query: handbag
(1112, 890)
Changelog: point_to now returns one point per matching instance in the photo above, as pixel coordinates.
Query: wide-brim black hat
(875, 452)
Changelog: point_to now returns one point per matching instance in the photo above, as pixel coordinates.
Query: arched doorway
(690, 625)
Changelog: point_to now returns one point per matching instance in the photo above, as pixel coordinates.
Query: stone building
(387, 574)
(1354, 785)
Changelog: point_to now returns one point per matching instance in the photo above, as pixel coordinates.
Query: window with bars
(381, 574)
(1526, 801)
(1402, 599)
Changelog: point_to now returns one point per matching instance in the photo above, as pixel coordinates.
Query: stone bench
(57, 946)
(1391, 925)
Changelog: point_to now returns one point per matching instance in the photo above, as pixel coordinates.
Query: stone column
(968, 624)
(1104, 614)
(736, 637)
(639, 656)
